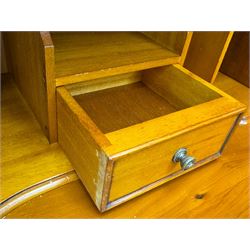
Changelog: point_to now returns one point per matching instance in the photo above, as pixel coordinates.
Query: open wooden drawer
(122, 133)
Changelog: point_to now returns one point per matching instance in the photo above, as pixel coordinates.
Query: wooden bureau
(126, 112)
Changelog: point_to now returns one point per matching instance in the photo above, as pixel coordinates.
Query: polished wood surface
(128, 115)
(88, 55)
(233, 88)
(4, 68)
(49, 66)
(30, 61)
(26, 158)
(154, 163)
(82, 141)
(119, 107)
(206, 52)
(145, 134)
(78, 56)
(236, 61)
(176, 85)
(35, 190)
(218, 190)
(186, 47)
(103, 83)
(174, 41)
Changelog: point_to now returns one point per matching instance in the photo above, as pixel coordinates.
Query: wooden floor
(217, 190)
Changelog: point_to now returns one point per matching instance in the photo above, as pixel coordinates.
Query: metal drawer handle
(185, 160)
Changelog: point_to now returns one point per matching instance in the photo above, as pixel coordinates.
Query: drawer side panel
(86, 156)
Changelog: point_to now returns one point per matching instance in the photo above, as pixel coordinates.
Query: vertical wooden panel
(186, 47)
(206, 52)
(49, 57)
(236, 61)
(30, 60)
(83, 142)
(173, 41)
(4, 68)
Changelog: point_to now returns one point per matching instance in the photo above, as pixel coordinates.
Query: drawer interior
(119, 107)
(122, 101)
(121, 132)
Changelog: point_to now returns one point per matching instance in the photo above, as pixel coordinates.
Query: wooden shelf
(86, 55)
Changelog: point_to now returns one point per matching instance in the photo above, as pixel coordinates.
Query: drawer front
(141, 168)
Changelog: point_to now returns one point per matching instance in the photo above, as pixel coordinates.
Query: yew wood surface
(206, 52)
(26, 155)
(236, 61)
(120, 107)
(30, 60)
(218, 190)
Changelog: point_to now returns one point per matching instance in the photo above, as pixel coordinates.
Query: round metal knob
(185, 160)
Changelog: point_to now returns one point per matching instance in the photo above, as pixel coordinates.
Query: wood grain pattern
(82, 141)
(236, 61)
(88, 55)
(233, 88)
(119, 107)
(103, 83)
(222, 55)
(26, 156)
(4, 68)
(145, 134)
(39, 188)
(186, 47)
(206, 52)
(39, 68)
(90, 150)
(175, 85)
(146, 166)
(31, 63)
(50, 84)
(218, 190)
(173, 41)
